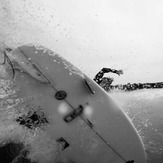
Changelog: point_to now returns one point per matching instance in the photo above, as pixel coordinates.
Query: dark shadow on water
(14, 153)
(32, 120)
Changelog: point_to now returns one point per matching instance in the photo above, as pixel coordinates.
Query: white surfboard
(82, 118)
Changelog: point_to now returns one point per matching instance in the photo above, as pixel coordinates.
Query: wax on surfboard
(83, 119)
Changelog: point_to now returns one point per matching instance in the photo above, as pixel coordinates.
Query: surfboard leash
(7, 59)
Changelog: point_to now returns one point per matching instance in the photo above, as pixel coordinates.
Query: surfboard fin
(63, 142)
(88, 86)
(74, 114)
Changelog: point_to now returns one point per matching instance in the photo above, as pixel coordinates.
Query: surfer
(105, 82)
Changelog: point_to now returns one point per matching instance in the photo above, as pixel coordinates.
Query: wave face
(144, 107)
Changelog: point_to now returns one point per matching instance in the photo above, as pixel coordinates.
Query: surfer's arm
(101, 73)
(106, 70)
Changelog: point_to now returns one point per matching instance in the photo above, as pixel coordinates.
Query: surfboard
(83, 119)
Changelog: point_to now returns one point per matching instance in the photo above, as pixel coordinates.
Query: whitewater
(144, 108)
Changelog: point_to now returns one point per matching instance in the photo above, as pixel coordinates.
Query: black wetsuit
(99, 75)
(106, 82)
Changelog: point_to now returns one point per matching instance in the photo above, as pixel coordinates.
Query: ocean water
(144, 107)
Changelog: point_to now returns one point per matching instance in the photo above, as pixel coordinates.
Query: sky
(91, 34)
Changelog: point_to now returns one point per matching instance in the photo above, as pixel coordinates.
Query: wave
(144, 107)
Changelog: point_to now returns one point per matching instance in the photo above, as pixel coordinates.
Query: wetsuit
(99, 75)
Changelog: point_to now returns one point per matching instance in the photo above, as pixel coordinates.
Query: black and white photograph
(81, 81)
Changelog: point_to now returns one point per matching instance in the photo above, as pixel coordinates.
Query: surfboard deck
(82, 117)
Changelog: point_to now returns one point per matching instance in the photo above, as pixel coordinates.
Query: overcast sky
(122, 34)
